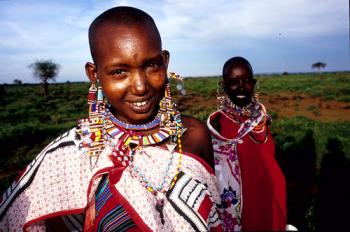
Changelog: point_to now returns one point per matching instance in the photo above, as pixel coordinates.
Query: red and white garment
(250, 182)
(60, 182)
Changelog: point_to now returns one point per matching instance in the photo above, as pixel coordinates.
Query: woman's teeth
(140, 103)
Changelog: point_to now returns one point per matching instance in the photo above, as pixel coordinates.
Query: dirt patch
(192, 104)
(288, 105)
(284, 105)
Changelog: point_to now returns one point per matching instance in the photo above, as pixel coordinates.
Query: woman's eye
(118, 72)
(232, 82)
(154, 66)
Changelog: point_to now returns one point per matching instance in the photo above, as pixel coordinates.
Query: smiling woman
(131, 69)
(127, 166)
(250, 181)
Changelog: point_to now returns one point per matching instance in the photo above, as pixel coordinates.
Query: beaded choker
(124, 142)
(127, 126)
(250, 110)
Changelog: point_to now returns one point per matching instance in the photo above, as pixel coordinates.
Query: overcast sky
(274, 35)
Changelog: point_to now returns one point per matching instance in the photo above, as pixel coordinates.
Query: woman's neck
(246, 111)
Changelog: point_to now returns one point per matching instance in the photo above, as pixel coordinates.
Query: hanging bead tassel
(221, 96)
(92, 128)
(92, 99)
(256, 93)
(169, 116)
(159, 207)
(180, 86)
(100, 102)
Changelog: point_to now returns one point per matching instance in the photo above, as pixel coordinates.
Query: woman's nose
(241, 84)
(139, 83)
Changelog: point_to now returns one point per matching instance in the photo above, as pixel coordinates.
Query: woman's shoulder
(66, 142)
(213, 121)
(193, 124)
(70, 138)
(64, 145)
(196, 130)
(196, 139)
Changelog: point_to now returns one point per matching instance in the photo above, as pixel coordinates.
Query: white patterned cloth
(228, 175)
(60, 181)
(227, 167)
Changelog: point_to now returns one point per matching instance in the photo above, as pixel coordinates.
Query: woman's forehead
(240, 69)
(120, 31)
(118, 40)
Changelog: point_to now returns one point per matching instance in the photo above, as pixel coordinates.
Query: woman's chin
(144, 117)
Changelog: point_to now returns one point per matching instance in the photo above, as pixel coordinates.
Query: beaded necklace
(125, 143)
(255, 113)
(250, 110)
(102, 128)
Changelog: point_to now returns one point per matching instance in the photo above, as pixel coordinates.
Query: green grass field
(329, 87)
(29, 121)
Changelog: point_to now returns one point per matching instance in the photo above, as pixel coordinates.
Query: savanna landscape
(310, 124)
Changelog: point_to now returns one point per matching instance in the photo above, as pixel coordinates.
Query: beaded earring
(255, 97)
(221, 97)
(181, 85)
(170, 119)
(92, 128)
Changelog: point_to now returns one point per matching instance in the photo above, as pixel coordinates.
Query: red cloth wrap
(263, 183)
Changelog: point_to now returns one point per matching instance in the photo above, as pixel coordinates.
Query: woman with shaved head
(251, 184)
(135, 164)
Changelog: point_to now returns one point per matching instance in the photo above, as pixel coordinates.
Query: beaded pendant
(92, 128)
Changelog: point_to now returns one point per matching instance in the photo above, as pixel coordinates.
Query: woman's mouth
(140, 107)
(138, 104)
(241, 96)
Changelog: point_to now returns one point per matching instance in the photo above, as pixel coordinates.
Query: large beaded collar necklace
(127, 143)
(251, 110)
(253, 113)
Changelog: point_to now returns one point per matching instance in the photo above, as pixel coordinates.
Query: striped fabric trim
(74, 222)
(103, 194)
(115, 218)
(192, 201)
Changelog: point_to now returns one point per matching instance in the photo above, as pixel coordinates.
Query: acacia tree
(319, 65)
(17, 82)
(45, 70)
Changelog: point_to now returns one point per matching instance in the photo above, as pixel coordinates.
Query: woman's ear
(254, 83)
(91, 72)
(166, 57)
